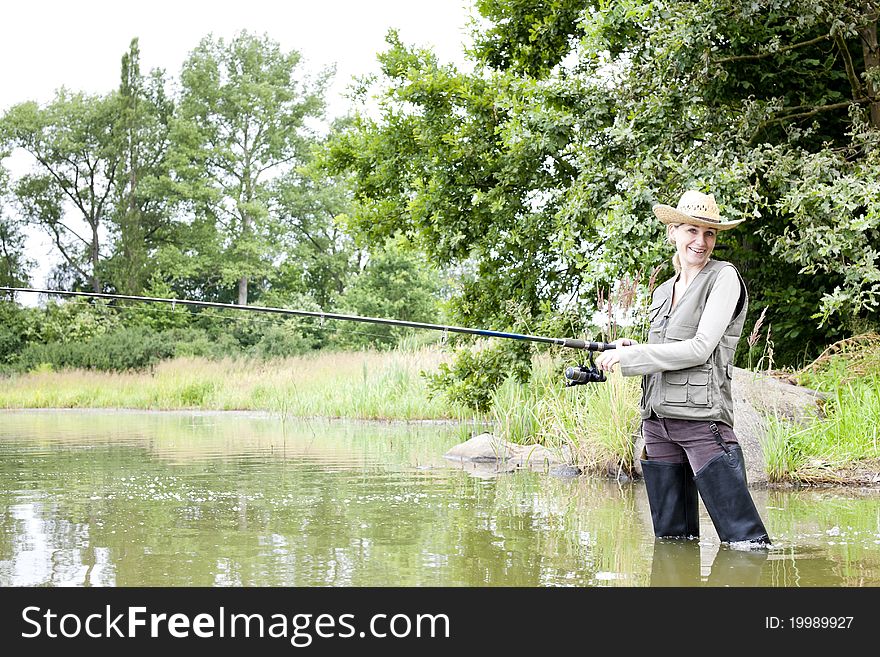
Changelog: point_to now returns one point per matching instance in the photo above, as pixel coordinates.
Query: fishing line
(574, 375)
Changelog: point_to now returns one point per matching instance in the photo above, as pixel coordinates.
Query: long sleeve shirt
(717, 314)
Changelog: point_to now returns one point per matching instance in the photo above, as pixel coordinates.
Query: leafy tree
(73, 143)
(444, 167)
(143, 207)
(243, 117)
(537, 172)
(532, 37)
(14, 263)
(396, 283)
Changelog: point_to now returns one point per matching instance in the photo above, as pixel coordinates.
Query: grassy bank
(367, 385)
(845, 443)
(595, 422)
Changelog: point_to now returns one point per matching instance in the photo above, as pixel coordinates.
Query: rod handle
(573, 343)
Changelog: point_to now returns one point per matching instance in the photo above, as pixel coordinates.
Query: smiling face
(694, 244)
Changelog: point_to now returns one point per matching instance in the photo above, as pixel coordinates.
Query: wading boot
(725, 492)
(672, 496)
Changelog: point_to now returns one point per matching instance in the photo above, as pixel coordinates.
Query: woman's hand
(608, 359)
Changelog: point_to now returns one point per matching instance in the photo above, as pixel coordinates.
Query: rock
(756, 397)
(488, 448)
(565, 471)
(483, 448)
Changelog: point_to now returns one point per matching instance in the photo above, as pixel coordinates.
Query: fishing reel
(576, 376)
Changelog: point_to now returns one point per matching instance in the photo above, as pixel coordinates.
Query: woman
(696, 320)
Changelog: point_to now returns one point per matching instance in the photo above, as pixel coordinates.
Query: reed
(364, 385)
(596, 422)
(513, 414)
(783, 450)
(816, 453)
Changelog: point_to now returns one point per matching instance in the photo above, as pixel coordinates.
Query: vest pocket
(698, 387)
(687, 387)
(676, 389)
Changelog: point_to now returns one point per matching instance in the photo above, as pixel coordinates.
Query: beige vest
(701, 392)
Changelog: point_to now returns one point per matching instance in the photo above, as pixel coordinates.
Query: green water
(177, 499)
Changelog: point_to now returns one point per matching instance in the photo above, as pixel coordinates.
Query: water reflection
(680, 563)
(134, 499)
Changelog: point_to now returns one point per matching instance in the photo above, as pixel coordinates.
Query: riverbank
(594, 423)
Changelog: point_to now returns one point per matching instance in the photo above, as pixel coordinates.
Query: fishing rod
(574, 375)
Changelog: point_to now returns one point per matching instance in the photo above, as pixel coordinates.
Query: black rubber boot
(725, 492)
(672, 496)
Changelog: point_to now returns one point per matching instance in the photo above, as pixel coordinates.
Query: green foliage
(17, 328)
(476, 373)
(144, 201)
(156, 316)
(815, 453)
(529, 36)
(395, 284)
(73, 143)
(14, 263)
(319, 256)
(123, 349)
(535, 175)
(76, 321)
(241, 120)
(284, 340)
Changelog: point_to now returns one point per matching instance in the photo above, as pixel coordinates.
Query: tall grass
(594, 423)
(591, 425)
(783, 451)
(366, 384)
(849, 433)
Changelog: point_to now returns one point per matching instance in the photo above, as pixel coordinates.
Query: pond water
(188, 499)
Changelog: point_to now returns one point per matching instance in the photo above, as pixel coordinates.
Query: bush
(285, 339)
(124, 349)
(17, 326)
(477, 372)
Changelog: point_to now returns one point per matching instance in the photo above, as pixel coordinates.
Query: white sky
(46, 44)
(78, 44)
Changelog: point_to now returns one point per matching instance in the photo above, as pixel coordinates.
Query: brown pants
(673, 441)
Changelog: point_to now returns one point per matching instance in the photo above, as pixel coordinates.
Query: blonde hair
(676, 261)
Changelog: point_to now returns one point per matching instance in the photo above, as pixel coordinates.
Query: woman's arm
(720, 306)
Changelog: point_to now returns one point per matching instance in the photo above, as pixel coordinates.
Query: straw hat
(696, 209)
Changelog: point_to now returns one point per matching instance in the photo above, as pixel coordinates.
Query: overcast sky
(46, 44)
(78, 44)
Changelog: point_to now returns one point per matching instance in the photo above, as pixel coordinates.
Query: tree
(445, 167)
(243, 121)
(395, 283)
(537, 171)
(144, 196)
(319, 256)
(14, 263)
(73, 143)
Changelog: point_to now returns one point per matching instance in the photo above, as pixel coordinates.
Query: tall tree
(243, 121)
(14, 262)
(144, 198)
(539, 169)
(450, 165)
(69, 192)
